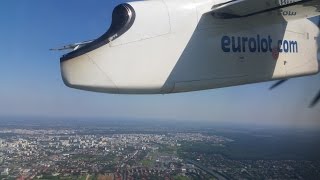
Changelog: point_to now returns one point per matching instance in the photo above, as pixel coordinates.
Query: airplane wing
(288, 9)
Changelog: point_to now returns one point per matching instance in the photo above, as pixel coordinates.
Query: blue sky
(31, 84)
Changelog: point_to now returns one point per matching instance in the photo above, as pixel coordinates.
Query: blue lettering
(244, 40)
(280, 46)
(270, 43)
(234, 48)
(252, 45)
(241, 44)
(293, 46)
(258, 40)
(285, 46)
(264, 45)
(225, 43)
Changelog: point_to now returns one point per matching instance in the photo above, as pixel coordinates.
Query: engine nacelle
(134, 55)
(157, 47)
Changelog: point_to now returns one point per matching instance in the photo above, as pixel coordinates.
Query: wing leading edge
(288, 9)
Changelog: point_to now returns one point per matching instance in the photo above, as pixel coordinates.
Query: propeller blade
(315, 100)
(71, 46)
(317, 97)
(278, 83)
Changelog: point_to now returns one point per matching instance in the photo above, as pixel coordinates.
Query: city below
(146, 150)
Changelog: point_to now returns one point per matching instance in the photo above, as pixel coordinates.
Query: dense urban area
(84, 153)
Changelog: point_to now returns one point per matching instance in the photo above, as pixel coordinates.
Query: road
(216, 174)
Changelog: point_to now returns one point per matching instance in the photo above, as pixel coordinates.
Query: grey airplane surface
(172, 46)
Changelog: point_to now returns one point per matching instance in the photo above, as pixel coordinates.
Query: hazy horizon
(32, 84)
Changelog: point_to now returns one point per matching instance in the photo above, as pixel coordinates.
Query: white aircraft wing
(289, 9)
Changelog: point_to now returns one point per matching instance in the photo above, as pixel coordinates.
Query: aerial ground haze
(32, 85)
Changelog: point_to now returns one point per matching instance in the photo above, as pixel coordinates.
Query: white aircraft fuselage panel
(170, 46)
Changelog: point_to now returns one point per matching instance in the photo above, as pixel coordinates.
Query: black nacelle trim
(222, 15)
(123, 17)
(221, 4)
